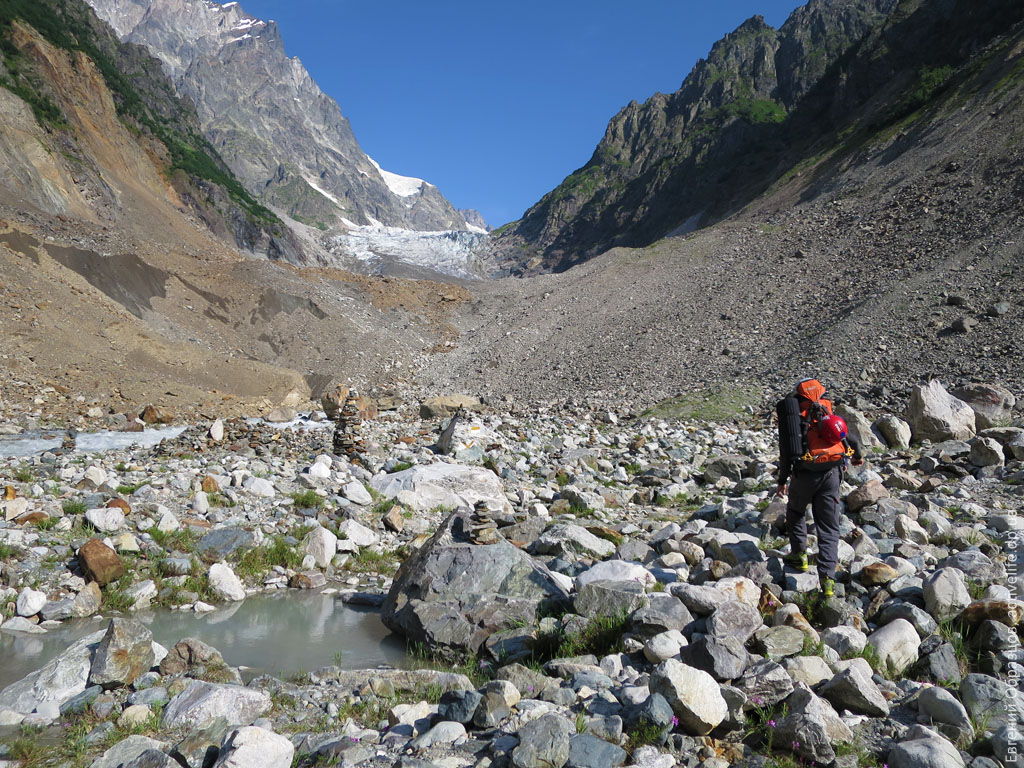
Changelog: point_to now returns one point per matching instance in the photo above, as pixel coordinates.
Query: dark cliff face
(282, 136)
(761, 102)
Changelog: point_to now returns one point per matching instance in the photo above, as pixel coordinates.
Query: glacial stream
(279, 634)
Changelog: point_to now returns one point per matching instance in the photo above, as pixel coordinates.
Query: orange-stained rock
(210, 484)
(154, 414)
(1008, 612)
(99, 562)
(10, 493)
(120, 504)
(873, 574)
(32, 517)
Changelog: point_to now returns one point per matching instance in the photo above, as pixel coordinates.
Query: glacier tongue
(385, 250)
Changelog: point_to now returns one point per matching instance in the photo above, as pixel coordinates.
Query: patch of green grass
(257, 561)
(182, 539)
(601, 636)
(370, 561)
(383, 506)
(47, 524)
(218, 499)
(127, 489)
(643, 735)
(73, 507)
(115, 594)
(719, 403)
(401, 466)
(308, 499)
(23, 474)
(870, 655)
(865, 759)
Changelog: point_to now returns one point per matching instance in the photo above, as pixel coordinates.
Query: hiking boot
(828, 587)
(797, 561)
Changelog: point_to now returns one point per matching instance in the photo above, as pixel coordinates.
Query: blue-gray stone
(222, 542)
(80, 703)
(587, 751)
(458, 706)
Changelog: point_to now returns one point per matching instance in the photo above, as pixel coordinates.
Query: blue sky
(497, 102)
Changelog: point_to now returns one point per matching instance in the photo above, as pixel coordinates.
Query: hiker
(814, 450)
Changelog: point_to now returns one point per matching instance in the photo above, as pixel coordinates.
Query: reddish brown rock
(154, 414)
(10, 493)
(99, 562)
(210, 484)
(32, 517)
(868, 494)
(121, 504)
(307, 580)
(873, 574)
(1008, 612)
(188, 653)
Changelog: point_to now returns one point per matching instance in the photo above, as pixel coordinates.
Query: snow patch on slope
(403, 186)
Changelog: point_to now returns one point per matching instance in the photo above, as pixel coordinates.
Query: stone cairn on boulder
(482, 527)
(346, 432)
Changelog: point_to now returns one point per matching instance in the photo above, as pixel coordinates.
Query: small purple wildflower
(354, 738)
(675, 721)
(771, 723)
(796, 745)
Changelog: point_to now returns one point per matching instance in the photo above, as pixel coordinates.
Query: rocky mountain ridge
(285, 139)
(762, 103)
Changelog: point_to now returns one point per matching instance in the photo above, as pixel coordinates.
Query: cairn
(346, 431)
(482, 528)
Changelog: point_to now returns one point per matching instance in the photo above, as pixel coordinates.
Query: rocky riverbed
(579, 588)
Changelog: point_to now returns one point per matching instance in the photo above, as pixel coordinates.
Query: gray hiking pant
(821, 491)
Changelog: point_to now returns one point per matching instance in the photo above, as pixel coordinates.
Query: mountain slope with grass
(763, 103)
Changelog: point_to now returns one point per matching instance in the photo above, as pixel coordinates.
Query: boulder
(321, 544)
(30, 602)
(991, 701)
(812, 725)
(543, 742)
(694, 696)
(251, 747)
(57, 681)
(570, 539)
(202, 701)
(870, 493)
(188, 653)
(445, 405)
(936, 415)
(127, 751)
(609, 598)
(894, 431)
(124, 654)
(896, 644)
(441, 484)
(225, 584)
(945, 594)
(105, 519)
(923, 748)
(589, 751)
(853, 689)
(451, 594)
(734, 619)
(986, 452)
(992, 404)
(88, 601)
(356, 492)
(357, 533)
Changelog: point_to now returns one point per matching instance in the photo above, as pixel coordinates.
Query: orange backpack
(813, 407)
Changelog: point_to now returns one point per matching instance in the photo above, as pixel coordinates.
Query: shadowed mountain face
(282, 136)
(762, 102)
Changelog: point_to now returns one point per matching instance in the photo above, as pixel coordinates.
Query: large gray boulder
(693, 694)
(452, 594)
(945, 594)
(812, 725)
(936, 415)
(992, 404)
(441, 484)
(543, 742)
(202, 701)
(57, 681)
(896, 645)
(125, 752)
(923, 748)
(124, 654)
(252, 747)
(992, 701)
